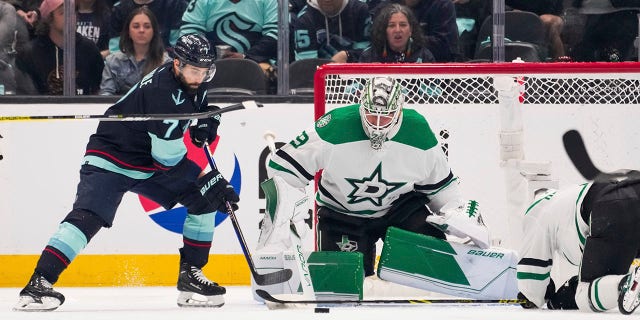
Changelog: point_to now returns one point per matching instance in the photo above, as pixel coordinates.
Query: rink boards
(39, 173)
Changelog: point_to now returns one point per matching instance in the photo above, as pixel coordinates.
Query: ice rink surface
(159, 303)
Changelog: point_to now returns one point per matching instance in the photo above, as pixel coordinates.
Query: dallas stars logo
(372, 188)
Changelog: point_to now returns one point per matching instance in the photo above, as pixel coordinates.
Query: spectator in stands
(167, 12)
(334, 29)
(141, 51)
(470, 14)
(250, 27)
(43, 58)
(438, 21)
(396, 36)
(13, 37)
(550, 12)
(296, 5)
(92, 21)
(27, 10)
(611, 27)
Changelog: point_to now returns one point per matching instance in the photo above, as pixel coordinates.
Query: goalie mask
(380, 109)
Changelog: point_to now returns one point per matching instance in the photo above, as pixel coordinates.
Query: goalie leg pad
(334, 275)
(337, 275)
(267, 262)
(286, 207)
(436, 265)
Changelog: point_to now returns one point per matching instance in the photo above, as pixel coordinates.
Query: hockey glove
(206, 130)
(462, 219)
(211, 193)
(565, 298)
(528, 304)
(551, 289)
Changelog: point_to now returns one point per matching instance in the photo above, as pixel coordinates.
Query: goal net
(500, 124)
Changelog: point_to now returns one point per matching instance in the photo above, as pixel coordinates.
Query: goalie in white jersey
(594, 226)
(381, 166)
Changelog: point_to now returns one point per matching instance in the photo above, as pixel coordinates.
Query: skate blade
(28, 304)
(194, 300)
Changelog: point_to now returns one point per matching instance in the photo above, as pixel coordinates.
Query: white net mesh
(559, 86)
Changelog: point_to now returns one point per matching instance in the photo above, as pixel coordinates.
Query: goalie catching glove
(212, 192)
(462, 220)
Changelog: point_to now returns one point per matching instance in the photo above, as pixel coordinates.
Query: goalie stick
(249, 104)
(261, 279)
(268, 297)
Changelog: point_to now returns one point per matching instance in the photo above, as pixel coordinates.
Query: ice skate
(196, 290)
(38, 295)
(629, 297)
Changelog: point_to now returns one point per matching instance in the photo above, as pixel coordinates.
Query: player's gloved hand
(462, 219)
(212, 192)
(565, 298)
(551, 289)
(528, 304)
(206, 130)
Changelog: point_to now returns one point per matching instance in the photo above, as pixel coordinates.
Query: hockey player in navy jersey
(146, 158)
(594, 227)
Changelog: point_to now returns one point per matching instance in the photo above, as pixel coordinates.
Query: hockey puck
(321, 310)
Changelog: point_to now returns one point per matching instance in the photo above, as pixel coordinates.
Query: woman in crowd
(141, 51)
(396, 37)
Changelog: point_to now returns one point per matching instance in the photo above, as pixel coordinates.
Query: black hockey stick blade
(261, 279)
(577, 152)
(249, 104)
(268, 297)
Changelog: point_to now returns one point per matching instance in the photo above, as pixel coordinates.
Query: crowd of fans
(118, 42)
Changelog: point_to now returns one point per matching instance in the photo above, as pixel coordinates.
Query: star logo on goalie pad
(373, 188)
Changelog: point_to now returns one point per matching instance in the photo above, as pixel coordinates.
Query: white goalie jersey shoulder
(462, 219)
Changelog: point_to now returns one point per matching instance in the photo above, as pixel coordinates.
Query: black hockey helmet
(194, 49)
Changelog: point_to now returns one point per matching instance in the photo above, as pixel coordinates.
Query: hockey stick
(250, 104)
(577, 152)
(261, 279)
(268, 297)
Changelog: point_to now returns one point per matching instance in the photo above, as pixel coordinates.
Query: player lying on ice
(593, 226)
(382, 167)
(147, 158)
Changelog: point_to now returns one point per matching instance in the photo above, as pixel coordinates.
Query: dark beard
(188, 89)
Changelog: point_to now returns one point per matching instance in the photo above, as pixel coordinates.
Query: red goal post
(450, 92)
